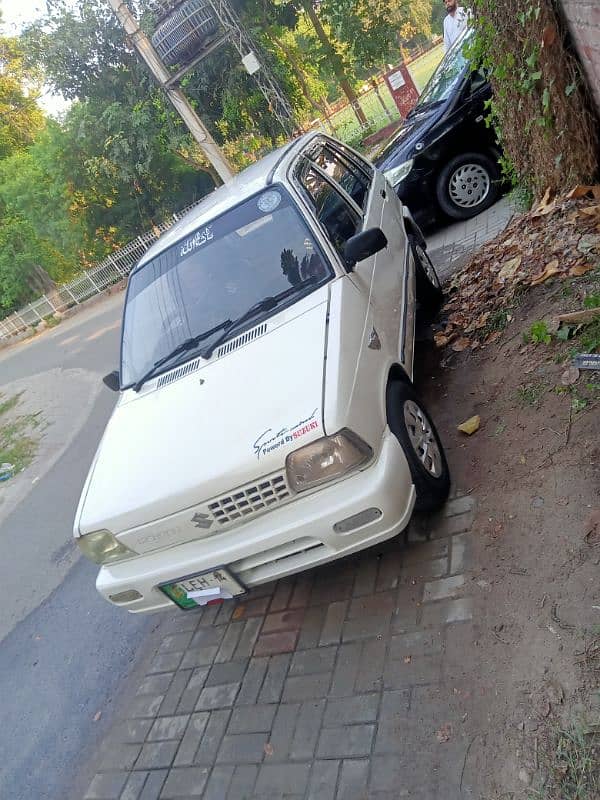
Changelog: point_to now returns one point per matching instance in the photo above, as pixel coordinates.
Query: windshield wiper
(425, 106)
(187, 344)
(266, 304)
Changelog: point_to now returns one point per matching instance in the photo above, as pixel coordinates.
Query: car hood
(402, 145)
(219, 426)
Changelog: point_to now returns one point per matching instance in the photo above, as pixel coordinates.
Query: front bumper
(284, 541)
(417, 192)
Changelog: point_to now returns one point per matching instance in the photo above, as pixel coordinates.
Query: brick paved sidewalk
(347, 681)
(450, 246)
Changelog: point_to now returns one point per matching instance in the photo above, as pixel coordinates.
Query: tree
(335, 60)
(128, 152)
(20, 117)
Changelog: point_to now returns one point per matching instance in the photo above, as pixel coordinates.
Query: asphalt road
(65, 654)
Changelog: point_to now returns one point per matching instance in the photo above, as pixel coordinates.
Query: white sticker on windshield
(268, 201)
(197, 240)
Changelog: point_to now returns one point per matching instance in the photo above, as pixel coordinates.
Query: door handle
(383, 193)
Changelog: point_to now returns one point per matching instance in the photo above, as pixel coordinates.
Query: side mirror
(364, 244)
(112, 381)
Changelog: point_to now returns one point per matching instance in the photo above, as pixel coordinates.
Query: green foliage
(570, 763)
(20, 117)
(531, 393)
(591, 301)
(539, 109)
(17, 443)
(538, 333)
(590, 338)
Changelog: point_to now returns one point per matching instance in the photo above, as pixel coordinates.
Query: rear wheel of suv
(411, 425)
(428, 288)
(467, 185)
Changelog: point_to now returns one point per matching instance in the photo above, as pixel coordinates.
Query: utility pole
(179, 101)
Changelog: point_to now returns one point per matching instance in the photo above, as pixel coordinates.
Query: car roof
(271, 168)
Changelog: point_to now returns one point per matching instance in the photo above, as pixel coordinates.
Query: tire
(478, 189)
(428, 288)
(431, 476)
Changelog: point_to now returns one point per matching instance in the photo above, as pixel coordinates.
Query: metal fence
(111, 270)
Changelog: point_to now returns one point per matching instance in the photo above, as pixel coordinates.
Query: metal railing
(95, 280)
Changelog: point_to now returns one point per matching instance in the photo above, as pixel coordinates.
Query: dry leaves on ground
(559, 238)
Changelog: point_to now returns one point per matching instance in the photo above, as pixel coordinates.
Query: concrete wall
(583, 17)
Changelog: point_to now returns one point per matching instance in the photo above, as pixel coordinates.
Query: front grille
(250, 500)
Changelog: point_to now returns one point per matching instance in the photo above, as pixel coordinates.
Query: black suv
(445, 157)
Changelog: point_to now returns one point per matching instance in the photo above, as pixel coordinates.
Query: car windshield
(255, 250)
(442, 81)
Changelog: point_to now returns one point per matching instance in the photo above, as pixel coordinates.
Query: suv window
(346, 174)
(333, 212)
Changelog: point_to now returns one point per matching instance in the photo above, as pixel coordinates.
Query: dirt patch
(534, 467)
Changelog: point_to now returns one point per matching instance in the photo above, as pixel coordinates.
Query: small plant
(578, 403)
(538, 333)
(590, 337)
(497, 321)
(571, 763)
(592, 301)
(531, 394)
(566, 289)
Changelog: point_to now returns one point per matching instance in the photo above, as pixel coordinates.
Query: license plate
(197, 590)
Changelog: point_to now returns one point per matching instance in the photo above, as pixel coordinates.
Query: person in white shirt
(454, 22)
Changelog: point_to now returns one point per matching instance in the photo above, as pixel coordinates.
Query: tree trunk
(375, 86)
(297, 69)
(336, 63)
(201, 166)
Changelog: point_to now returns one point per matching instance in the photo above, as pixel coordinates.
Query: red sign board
(402, 88)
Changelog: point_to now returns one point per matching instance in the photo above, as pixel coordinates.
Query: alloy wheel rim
(427, 266)
(469, 185)
(422, 438)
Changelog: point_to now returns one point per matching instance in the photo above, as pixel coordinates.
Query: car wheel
(411, 425)
(467, 185)
(429, 291)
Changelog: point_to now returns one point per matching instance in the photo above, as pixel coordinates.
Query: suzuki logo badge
(202, 520)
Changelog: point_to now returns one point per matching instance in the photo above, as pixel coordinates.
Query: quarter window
(337, 217)
(346, 174)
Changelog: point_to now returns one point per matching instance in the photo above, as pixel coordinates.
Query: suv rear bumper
(289, 539)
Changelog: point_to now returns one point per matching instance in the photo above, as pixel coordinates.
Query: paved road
(64, 653)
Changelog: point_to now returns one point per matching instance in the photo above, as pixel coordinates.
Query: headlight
(326, 460)
(103, 547)
(397, 174)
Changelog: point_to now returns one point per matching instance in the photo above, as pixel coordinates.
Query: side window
(346, 174)
(333, 212)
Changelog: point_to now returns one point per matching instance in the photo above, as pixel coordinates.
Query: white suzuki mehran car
(266, 421)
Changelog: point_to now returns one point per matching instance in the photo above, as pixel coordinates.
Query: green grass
(571, 762)
(17, 443)
(531, 393)
(422, 68)
(345, 122)
(7, 405)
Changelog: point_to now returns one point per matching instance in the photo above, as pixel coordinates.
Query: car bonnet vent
(178, 373)
(240, 341)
